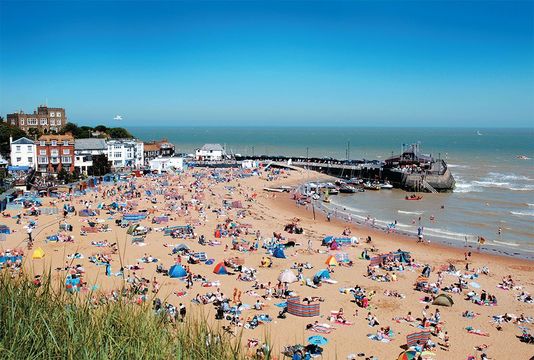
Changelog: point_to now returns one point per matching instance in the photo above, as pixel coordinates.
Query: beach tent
(177, 271)
(323, 274)
(287, 276)
(38, 253)
(220, 269)
(4, 229)
(443, 300)
(331, 261)
(327, 240)
(279, 253)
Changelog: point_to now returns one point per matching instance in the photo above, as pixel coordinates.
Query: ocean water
(494, 189)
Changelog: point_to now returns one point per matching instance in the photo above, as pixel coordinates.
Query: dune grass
(47, 323)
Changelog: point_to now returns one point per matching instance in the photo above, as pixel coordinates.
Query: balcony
(54, 160)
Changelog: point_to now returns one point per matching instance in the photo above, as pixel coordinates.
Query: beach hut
(287, 276)
(331, 261)
(279, 253)
(443, 300)
(38, 253)
(177, 271)
(220, 269)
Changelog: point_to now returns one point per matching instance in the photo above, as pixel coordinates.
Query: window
(21, 121)
(19, 159)
(42, 143)
(58, 114)
(65, 142)
(30, 159)
(17, 148)
(43, 121)
(29, 148)
(42, 152)
(52, 114)
(54, 152)
(54, 143)
(66, 151)
(66, 160)
(52, 122)
(117, 154)
(58, 122)
(43, 160)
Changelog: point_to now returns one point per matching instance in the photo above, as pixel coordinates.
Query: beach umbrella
(317, 340)
(426, 355)
(408, 355)
(331, 261)
(287, 276)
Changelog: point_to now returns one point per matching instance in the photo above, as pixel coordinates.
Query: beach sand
(269, 212)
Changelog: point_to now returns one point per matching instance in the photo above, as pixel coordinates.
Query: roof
(212, 147)
(90, 144)
(23, 141)
(151, 147)
(67, 137)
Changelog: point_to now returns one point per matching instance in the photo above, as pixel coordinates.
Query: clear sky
(360, 63)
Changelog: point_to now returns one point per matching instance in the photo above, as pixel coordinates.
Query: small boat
(347, 189)
(386, 186)
(413, 197)
(370, 186)
(522, 157)
(273, 190)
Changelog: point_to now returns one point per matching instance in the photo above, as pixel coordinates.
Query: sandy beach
(258, 215)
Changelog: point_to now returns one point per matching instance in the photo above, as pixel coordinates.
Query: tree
(101, 128)
(101, 165)
(6, 131)
(64, 175)
(34, 133)
(119, 133)
(71, 128)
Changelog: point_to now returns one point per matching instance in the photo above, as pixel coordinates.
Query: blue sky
(368, 63)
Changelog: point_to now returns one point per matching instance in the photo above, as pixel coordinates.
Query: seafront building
(210, 152)
(125, 153)
(45, 119)
(84, 150)
(23, 153)
(155, 149)
(55, 153)
(162, 164)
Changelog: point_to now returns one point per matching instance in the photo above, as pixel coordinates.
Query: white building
(23, 152)
(210, 152)
(125, 153)
(84, 149)
(166, 164)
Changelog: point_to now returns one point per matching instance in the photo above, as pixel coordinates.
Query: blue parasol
(317, 340)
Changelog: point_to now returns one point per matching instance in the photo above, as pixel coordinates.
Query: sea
(494, 194)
